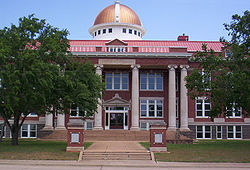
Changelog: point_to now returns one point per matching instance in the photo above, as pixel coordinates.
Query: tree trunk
(14, 132)
(2, 131)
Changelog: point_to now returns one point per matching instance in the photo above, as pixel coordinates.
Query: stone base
(171, 129)
(48, 128)
(134, 128)
(184, 129)
(74, 149)
(158, 149)
(98, 128)
(60, 128)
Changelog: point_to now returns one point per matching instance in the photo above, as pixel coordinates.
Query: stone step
(116, 156)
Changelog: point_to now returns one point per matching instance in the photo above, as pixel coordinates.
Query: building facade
(145, 83)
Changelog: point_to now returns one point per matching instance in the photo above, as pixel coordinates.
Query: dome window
(99, 32)
(104, 31)
(110, 30)
(139, 34)
(124, 30)
(130, 31)
(135, 32)
(95, 33)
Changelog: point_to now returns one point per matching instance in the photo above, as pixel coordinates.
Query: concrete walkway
(116, 146)
(111, 164)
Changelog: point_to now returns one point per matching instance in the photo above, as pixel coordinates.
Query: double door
(116, 120)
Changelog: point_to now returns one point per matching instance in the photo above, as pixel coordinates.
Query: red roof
(192, 46)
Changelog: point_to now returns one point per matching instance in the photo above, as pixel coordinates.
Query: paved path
(116, 146)
(114, 165)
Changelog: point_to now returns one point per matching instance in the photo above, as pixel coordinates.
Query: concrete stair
(116, 135)
(116, 156)
(57, 135)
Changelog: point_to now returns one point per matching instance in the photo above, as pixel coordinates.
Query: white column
(172, 98)
(48, 121)
(98, 114)
(60, 125)
(135, 97)
(184, 99)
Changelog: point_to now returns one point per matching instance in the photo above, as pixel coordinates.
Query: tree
(228, 86)
(37, 74)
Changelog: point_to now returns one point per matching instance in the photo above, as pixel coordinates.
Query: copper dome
(127, 15)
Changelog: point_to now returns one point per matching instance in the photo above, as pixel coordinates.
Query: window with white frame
(28, 131)
(151, 108)
(117, 49)
(4, 130)
(116, 81)
(206, 79)
(234, 112)
(203, 107)
(144, 125)
(151, 81)
(203, 132)
(234, 132)
(218, 132)
(76, 111)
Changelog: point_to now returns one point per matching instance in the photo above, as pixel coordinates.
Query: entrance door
(116, 120)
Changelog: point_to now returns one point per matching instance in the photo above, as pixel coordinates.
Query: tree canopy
(37, 73)
(228, 86)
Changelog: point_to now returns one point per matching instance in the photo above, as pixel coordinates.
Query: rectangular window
(116, 81)
(89, 125)
(76, 111)
(104, 31)
(234, 132)
(151, 81)
(218, 132)
(28, 131)
(151, 108)
(130, 31)
(124, 30)
(234, 112)
(203, 107)
(203, 132)
(110, 30)
(4, 130)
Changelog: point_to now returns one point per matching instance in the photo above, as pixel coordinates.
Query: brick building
(144, 83)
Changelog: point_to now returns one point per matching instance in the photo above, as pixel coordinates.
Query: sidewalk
(125, 163)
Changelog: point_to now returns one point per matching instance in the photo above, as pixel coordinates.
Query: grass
(237, 151)
(29, 149)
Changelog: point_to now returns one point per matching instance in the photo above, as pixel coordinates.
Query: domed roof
(109, 14)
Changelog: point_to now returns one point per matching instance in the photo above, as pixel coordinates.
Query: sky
(201, 20)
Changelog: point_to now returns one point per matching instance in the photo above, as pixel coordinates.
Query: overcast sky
(202, 20)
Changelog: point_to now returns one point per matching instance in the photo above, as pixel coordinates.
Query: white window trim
(221, 132)
(28, 130)
(155, 111)
(147, 126)
(204, 132)
(203, 107)
(234, 132)
(233, 112)
(113, 81)
(4, 129)
(155, 82)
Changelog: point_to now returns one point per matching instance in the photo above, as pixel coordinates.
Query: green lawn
(37, 150)
(206, 151)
